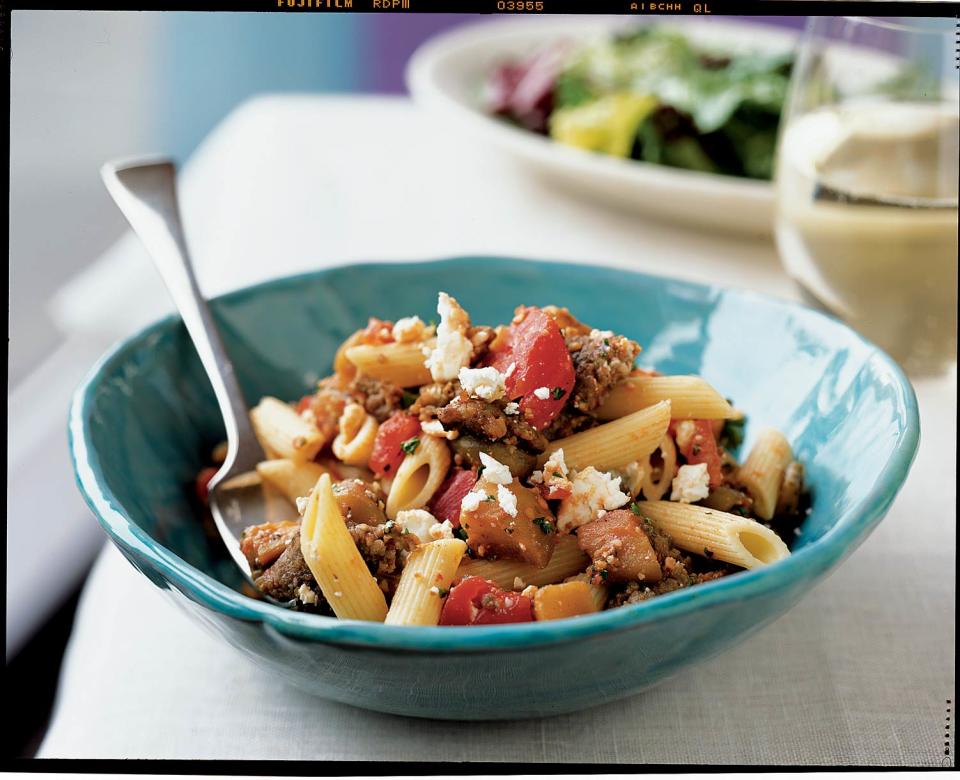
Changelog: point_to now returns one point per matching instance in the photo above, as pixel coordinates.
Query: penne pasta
(427, 575)
(724, 537)
(340, 470)
(567, 559)
(617, 443)
(245, 479)
(762, 471)
(291, 478)
(276, 506)
(419, 475)
(334, 560)
(401, 364)
(342, 367)
(656, 489)
(691, 397)
(283, 433)
(353, 445)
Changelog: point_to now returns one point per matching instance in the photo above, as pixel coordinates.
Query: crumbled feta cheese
(692, 483)
(554, 475)
(685, 431)
(472, 500)
(556, 464)
(483, 383)
(302, 502)
(453, 349)
(442, 530)
(408, 329)
(518, 584)
(494, 471)
(306, 595)
(418, 522)
(507, 500)
(512, 408)
(543, 393)
(435, 590)
(435, 428)
(590, 491)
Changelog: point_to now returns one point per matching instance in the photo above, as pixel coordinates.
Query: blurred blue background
(87, 86)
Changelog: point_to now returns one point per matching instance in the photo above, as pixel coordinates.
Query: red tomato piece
(536, 347)
(203, 479)
(702, 448)
(445, 504)
(475, 601)
(377, 332)
(387, 454)
(304, 403)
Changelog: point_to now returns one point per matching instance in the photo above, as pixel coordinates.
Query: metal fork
(146, 192)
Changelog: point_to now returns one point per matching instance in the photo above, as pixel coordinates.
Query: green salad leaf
(714, 111)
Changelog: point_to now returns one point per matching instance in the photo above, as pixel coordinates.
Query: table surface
(858, 673)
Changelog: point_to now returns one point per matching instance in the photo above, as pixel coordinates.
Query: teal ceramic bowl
(145, 418)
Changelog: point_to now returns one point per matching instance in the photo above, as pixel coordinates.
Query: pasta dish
(464, 474)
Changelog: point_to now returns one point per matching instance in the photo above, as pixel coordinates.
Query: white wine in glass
(867, 172)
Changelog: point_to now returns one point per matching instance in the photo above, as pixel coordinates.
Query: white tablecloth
(858, 673)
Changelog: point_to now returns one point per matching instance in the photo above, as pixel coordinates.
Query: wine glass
(866, 182)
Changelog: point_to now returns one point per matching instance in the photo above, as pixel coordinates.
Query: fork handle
(146, 192)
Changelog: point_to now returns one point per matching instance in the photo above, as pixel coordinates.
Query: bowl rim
(804, 564)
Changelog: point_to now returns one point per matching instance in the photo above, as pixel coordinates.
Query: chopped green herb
(606, 342)
(545, 525)
(558, 393)
(443, 592)
(731, 436)
(480, 469)
(489, 498)
(635, 508)
(408, 399)
(558, 474)
(460, 533)
(603, 574)
(410, 445)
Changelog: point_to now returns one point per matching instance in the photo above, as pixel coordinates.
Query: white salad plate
(446, 76)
